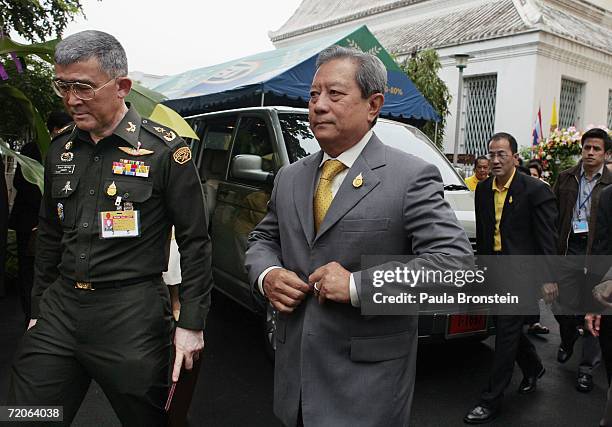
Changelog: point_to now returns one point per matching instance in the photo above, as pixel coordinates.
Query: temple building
(523, 56)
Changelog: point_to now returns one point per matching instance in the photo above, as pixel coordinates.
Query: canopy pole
(262, 98)
(436, 134)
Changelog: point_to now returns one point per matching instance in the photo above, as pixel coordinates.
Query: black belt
(92, 286)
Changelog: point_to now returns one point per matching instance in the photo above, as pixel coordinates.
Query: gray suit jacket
(348, 369)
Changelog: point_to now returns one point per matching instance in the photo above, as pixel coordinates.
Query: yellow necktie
(324, 196)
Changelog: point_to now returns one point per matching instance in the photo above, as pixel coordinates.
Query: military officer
(114, 185)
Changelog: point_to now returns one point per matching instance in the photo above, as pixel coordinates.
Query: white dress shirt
(347, 158)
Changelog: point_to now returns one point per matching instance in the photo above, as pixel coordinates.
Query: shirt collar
(128, 128)
(506, 185)
(596, 176)
(349, 156)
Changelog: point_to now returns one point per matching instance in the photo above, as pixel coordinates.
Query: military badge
(358, 181)
(169, 136)
(131, 168)
(60, 211)
(67, 187)
(112, 189)
(131, 127)
(68, 145)
(67, 156)
(136, 151)
(182, 155)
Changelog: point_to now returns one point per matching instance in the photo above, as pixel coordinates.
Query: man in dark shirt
(114, 185)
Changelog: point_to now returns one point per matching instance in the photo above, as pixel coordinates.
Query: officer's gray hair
(371, 75)
(89, 44)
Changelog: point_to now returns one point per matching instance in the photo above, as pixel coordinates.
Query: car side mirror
(248, 166)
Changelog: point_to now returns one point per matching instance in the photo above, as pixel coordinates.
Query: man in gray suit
(357, 196)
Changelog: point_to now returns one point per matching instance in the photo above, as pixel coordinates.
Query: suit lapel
(489, 202)
(303, 190)
(515, 190)
(349, 195)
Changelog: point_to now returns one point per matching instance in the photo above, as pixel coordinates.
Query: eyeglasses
(83, 91)
(501, 155)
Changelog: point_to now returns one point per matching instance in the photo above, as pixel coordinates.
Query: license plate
(466, 323)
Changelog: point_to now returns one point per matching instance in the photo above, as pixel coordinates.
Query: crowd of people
(570, 220)
(100, 310)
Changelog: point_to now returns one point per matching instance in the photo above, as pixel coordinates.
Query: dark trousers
(511, 344)
(25, 259)
(120, 337)
(591, 353)
(605, 341)
(574, 293)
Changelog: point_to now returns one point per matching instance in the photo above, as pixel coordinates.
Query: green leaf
(45, 50)
(144, 99)
(31, 113)
(32, 170)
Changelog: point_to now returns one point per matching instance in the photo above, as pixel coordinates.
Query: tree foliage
(37, 20)
(422, 68)
(16, 126)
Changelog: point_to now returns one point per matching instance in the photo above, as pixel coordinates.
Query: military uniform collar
(129, 127)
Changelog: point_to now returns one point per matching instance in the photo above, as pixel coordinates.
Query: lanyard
(581, 205)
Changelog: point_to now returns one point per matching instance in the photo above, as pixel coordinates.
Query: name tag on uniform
(63, 170)
(580, 226)
(115, 224)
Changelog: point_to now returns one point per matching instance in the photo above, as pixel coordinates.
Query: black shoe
(537, 329)
(529, 384)
(480, 415)
(584, 383)
(567, 349)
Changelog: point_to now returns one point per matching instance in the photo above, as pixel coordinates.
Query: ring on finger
(317, 290)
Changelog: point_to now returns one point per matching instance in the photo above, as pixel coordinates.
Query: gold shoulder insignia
(65, 128)
(64, 131)
(182, 155)
(167, 134)
(136, 152)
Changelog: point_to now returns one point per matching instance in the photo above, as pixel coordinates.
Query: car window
(253, 139)
(216, 141)
(301, 142)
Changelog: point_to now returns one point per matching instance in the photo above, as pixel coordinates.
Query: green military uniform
(103, 311)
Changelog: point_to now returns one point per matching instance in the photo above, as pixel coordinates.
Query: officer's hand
(284, 289)
(592, 322)
(333, 283)
(550, 292)
(32, 323)
(188, 345)
(603, 293)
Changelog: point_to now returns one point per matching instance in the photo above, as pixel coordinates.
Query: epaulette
(64, 131)
(170, 137)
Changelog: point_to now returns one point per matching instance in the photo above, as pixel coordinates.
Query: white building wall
(514, 61)
(529, 70)
(559, 58)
